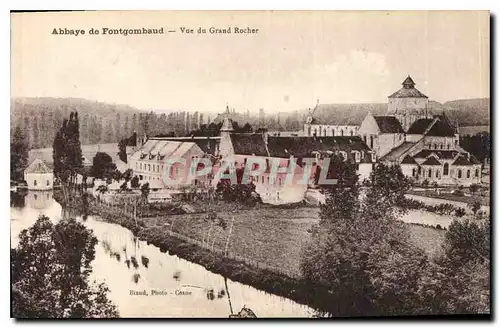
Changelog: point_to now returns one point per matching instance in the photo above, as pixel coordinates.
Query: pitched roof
(420, 126)
(431, 161)
(408, 160)
(37, 166)
(249, 144)
(462, 160)
(443, 154)
(388, 124)
(397, 152)
(442, 128)
(302, 147)
(159, 149)
(207, 144)
(408, 90)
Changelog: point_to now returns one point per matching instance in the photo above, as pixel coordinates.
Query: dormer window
(357, 156)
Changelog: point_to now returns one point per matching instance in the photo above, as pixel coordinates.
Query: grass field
(270, 235)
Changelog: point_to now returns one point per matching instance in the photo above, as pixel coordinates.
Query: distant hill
(100, 122)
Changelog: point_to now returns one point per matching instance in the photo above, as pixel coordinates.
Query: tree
(51, 270)
(359, 255)
(145, 191)
(475, 206)
(102, 166)
(134, 183)
(127, 175)
(67, 150)
(18, 154)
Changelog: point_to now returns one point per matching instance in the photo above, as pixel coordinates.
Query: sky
(293, 60)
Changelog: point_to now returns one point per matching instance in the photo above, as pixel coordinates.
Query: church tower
(408, 104)
(226, 146)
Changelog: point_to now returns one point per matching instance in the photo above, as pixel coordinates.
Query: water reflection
(127, 264)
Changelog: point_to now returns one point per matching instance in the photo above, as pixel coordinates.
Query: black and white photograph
(250, 164)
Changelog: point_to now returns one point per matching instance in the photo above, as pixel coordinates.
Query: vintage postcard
(250, 164)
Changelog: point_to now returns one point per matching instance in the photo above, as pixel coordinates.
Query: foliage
(459, 212)
(18, 154)
(127, 175)
(475, 206)
(362, 256)
(239, 192)
(134, 183)
(474, 188)
(67, 150)
(145, 191)
(467, 240)
(51, 268)
(478, 145)
(102, 166)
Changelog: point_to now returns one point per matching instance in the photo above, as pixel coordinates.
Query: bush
(459, 212)
(474, 188)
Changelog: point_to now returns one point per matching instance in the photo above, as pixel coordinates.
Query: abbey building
(425, 144)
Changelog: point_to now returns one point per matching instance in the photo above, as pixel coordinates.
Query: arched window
(333, 132)
(477, 173)
(364, 138)
(448, 146)
(430, 173)
(459, 173)
(324, 132)
(468, 174)
(342, 132)
(446, 168)
(34, 182)
(371, 142)
(352, 133)
(437, 173)
(414, 172)
(48, 183)
(441, 146)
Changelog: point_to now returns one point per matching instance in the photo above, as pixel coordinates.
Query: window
(477, 173)
(149, 167)
(141, 166)
(333, 132)
(262, 179)
(442, 146)
(435, 146)
(437, 173)
(414, 172)
(34, 183)
(430, 173)
(468, 174)
(448, 146)
(419, 170)
(342, 132)
(459, 173)
(371, 142)
(48, 183)
(446, 168)
(352, 133)
(364, 138)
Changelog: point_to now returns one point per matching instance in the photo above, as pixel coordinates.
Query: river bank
(261, 278)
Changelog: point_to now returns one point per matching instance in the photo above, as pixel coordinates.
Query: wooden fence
(128, 211)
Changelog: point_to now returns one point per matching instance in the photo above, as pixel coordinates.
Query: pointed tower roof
(408, 90)
(227, 124)
(408, 83)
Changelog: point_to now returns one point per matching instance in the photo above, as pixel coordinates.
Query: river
(187, 289)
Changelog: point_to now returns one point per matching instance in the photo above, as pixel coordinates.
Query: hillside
(100, 122)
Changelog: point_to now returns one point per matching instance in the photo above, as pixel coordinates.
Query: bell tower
(408, 104)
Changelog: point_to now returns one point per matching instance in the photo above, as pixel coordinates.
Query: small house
(39, 176)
